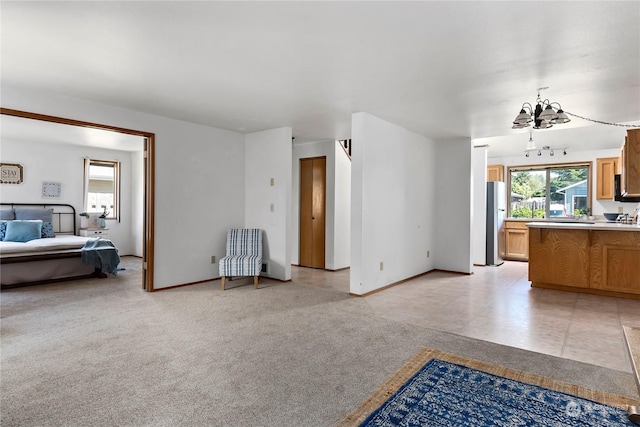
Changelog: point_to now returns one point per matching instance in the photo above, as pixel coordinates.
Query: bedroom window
(101, 185)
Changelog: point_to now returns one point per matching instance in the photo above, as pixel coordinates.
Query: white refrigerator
(496, 211)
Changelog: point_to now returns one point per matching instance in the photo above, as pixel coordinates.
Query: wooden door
(313, 173)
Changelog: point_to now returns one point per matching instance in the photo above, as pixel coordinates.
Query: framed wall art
(11, 173)
(51, 190)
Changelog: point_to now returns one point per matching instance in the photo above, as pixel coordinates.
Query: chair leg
(255, 281)
(223, 282)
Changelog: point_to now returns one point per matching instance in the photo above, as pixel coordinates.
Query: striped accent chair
(244, 254)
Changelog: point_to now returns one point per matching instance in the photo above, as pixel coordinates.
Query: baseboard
(390, 285)
(407, 279)
(185, 284)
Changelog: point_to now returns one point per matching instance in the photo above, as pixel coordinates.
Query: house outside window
(548, 191)
(101, 183)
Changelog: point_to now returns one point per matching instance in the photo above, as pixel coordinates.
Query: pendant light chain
(601, 122)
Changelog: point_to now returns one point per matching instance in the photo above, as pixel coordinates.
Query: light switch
(272, 207)
(273, 181)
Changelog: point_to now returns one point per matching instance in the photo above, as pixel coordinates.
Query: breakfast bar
(592, 257)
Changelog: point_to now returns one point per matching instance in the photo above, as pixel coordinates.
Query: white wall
(598, 206)
(393, 203)
(268, 156)
(137, 203)
(454, 211)
(479, 221)
(338, 201)
(199, 181)
(342, 215)
(64, 163)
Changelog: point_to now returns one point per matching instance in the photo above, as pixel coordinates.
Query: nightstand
(95, 232)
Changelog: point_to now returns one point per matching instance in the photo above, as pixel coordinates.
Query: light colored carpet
(103, 352)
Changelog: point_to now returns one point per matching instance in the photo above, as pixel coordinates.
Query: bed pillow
(3, 229)
(45, 215)
(23, 231)
(47, 230)
(7, 214)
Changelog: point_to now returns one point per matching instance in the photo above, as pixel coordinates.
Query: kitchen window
(550, 191)
(101, 187)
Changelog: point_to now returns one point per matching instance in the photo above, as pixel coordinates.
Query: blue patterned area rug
(440, 389)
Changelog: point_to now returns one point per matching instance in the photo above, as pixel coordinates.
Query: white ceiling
(27, 130)
(441, 69)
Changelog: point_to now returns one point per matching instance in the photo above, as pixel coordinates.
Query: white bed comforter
(60, 243)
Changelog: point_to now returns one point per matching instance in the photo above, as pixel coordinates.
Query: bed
(55, 256)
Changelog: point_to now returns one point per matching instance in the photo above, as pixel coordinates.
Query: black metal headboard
(64, 215)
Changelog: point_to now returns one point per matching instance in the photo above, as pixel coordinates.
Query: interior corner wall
(454, 210)
(393, 198)
(268, 176)
(342, 215)
(479, 233)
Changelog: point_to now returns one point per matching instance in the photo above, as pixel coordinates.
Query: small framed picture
(51, 190)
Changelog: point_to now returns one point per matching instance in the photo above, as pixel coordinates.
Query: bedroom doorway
(147, 139)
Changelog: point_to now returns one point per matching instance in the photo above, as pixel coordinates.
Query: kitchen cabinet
(516, 236)
(495, 173)
(619, 253)
(630, 179)
(559, 257)
(606, 168)
(597, 258)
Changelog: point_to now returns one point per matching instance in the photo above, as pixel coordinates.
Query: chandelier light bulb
(548, 114)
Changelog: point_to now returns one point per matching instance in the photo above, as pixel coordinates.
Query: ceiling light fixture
(531, 145)
(544, 149)
(544, 115)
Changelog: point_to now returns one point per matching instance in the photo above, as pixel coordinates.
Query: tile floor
(498, 304)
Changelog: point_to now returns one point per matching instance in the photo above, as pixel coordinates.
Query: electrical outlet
(427, 254)
(213, 259)
(381, 265)
(620, 209)
(272, 207)
(272, 182)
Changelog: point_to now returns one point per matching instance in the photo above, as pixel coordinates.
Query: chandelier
(544, 115)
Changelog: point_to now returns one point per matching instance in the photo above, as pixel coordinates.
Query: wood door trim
(149, 178)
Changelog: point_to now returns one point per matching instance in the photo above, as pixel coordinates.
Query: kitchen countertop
(556, 219)
(584, 225)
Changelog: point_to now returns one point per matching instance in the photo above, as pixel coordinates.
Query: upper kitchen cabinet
(606, 168)
(630, 179)
(495, 173)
